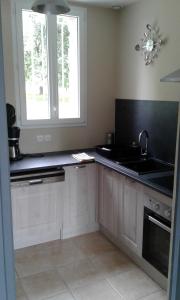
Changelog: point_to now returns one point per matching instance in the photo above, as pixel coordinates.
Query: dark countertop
(47, 160)
(64, 158)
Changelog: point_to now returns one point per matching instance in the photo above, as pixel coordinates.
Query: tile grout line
(51, 268)
(143, 297)
(87, 284)
(67, 289)
(115, 289)
(155, 292)
(36, 273)
(60, 292)
(23, 289)
(93, 284)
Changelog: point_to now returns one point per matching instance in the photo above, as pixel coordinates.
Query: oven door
(156, 240)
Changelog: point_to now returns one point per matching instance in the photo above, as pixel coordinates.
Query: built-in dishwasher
(37, 206)
(32, 177)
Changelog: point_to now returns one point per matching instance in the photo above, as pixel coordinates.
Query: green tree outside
(35, 61)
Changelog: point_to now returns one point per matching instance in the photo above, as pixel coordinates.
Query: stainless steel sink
(147, 166)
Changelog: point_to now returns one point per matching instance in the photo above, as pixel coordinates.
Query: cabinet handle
(80, 167)
(35, 181)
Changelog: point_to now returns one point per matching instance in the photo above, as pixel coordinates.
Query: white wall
(101, 76)
(114, 69)
(135, 80)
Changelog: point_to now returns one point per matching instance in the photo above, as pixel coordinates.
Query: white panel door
(110, 184)
(80, 203)
(131, 215)
(106, 210)
(37, 213)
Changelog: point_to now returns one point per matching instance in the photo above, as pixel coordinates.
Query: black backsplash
(159, 118)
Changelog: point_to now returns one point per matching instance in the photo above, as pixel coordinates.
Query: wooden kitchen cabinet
(37, 213)
(80, 202)
(90, 195)
(46, 212)
(121, 208)
(110, 186)
(131, 215)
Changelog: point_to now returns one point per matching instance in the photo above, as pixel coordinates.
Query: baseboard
(79, 231)
(23, 244)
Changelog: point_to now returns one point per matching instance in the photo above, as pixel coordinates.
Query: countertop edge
(65, 159)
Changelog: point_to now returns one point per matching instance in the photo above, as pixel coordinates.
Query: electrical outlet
(40, 138)
(47, 138)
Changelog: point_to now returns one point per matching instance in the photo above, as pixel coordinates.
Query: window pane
(35, 65)
(67, 58)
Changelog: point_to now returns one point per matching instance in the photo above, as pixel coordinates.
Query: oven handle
(156, 222)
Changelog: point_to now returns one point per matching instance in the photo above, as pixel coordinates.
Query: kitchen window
(51, 67)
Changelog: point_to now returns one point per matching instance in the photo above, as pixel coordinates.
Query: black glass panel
(159, 118)
(156, 244)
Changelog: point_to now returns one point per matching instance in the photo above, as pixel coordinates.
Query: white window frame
(18, 53)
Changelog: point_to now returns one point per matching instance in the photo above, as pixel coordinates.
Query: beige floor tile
(91, 266)
(61, 256)
(80, 273)
(52, 246)
(34, 264)
(63, 296)
(20, 293)
(112, 263)
(162, 295)
(43, 285)
(90, 236)
(133, 284)
(93, 244)
(100, 291)
(45, 248)
(84, 239)
(33, 260)
(26, 252)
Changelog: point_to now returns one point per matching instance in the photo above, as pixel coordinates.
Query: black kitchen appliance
(156, 235)
(13, 134)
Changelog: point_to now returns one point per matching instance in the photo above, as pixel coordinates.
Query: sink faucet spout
(145, 133)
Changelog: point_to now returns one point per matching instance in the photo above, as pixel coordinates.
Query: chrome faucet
(144, 152)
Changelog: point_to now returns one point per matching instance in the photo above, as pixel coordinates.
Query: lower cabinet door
(80, 203)
(131, 215)
(37, 213)
(110, 185)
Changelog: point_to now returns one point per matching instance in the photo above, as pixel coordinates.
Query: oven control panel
(159, 208)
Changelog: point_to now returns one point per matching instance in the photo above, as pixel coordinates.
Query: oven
(156, 235)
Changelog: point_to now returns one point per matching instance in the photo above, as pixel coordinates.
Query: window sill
(55, 125)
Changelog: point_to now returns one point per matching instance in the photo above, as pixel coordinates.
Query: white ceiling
(106, 3)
